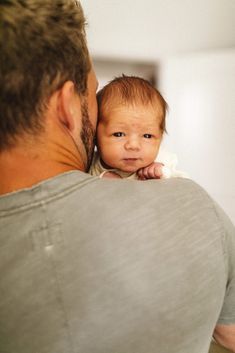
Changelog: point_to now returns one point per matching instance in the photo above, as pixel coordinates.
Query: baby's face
(128, 137)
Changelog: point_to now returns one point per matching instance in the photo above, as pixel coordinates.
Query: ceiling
(154, 29)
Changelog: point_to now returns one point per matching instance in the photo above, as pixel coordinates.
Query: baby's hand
(152, 171)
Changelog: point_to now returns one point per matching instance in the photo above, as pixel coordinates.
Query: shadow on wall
(106, 70)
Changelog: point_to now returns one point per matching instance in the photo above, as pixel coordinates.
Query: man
(87, 264)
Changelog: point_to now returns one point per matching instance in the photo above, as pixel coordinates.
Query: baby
(130, 127)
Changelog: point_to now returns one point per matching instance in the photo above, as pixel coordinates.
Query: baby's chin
(127, 169)
(129, 166)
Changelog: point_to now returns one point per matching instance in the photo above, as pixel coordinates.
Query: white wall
(153, 29)
(200, 90)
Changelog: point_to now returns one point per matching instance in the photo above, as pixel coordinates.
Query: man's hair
(42, 45)
(131, 90)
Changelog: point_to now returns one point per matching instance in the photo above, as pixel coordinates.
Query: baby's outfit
(169, 170)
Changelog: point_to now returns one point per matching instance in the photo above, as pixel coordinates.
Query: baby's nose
(132, 144)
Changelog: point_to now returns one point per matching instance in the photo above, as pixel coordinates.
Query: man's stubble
(87, 134)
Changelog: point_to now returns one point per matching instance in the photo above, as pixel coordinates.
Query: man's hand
(225, 336)
(152, 171)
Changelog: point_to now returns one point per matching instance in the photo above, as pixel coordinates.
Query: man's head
(42, 46)
(131, 123)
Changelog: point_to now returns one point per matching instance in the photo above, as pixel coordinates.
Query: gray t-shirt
(90, 265)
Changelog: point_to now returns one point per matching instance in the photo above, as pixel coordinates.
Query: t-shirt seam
(224, 318)
(48, 198)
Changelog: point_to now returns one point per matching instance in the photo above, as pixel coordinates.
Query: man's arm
(224, 332)
(225, 336)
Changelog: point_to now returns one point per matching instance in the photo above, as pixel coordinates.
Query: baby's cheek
(108, 155)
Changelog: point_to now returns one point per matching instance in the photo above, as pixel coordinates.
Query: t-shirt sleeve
(227, 314)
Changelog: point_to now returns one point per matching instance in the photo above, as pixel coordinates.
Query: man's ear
(69, 106)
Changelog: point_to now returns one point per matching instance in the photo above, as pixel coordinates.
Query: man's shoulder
(172, 188)
(167, 195)
(157, 195)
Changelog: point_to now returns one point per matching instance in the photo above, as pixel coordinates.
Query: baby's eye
(118, 134)
(148, 136)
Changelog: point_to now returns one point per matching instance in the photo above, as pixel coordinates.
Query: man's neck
(21, 169)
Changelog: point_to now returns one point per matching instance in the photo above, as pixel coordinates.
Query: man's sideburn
(87, 134)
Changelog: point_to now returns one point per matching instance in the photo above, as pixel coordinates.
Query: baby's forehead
(131, 117)
(131, 92)
(118, 106)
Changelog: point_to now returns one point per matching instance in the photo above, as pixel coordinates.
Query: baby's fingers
(156, 170)
(153, 171)
(140, 174)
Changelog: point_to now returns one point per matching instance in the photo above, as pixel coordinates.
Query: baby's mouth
(130, 159)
